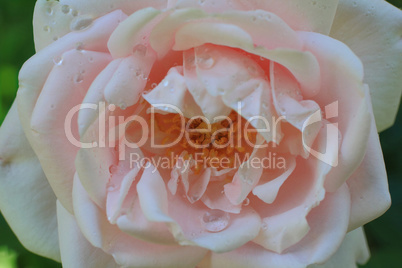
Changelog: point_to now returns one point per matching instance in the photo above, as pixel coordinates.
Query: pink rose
(202, 133)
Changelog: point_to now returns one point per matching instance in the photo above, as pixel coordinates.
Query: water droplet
(74, 13)
(123, 106)
(166, 83)
(111, 187)
(65, 9)
(215, 220)
(79, 46)
(113, 169)
(46, 28)
(154, 85)
(140, 50)
(201, 2)
(90, 59)
(49, 11)
(81, 23)
(55, 38)
(172, 89)
(253, 19)
(246, 202)
(58, 60)
(221, 91)
(264, 226)
(78, 78)
(206, 62)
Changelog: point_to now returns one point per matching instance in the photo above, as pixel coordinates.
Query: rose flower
(206, 133)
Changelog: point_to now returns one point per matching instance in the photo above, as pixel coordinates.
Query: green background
(16, 46)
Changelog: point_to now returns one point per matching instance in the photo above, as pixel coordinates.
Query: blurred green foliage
(16, 46)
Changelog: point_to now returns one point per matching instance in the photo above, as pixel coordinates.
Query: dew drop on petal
(49, 11)
(123, 106)
(166, 83)
(58, 60)
(221, 91)
(79, 46)
(215, 220)
(206, 62)
(74, 13)
(78, 78)
(140, 50)
(65, 9)
(246, 202)
(81, 23)
(111, 187)
(46, 28)
(264, 226)
(154, 85)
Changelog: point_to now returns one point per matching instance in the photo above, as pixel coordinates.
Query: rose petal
(82, 253)
(173, 91)
(373, 31)
(328, 224)
(35, 72)
(354, 249)
(100, 7)
(126, 250)
(303, 65)
(298, 14)
(128, 82)
(127, 34)
(368, 185)
(50, 22)
(26, 199)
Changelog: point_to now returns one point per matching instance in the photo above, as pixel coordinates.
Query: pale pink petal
(128, 82)
(95, 95)
(373, 31)
(26, 200)
(75, 249)
(346, 90)
(57, 102)
(268, 191)
(172, 90)
(51, 21)
(303, 65)
(299, 14)
(354, 249)
(368, 185)
(100, 7)
(162, 36)
(246, 178)
(211, 106)
(328, 223)
(35, 72)
(126, 250)
(130, 32)
(215, 198)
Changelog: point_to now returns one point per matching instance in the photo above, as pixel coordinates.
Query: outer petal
(50, 22)
(372, 29)
(306, 15)
(76, 251)
(368, 185)
(353, 249)
(26, 199)
(100, 7)
(328, 225)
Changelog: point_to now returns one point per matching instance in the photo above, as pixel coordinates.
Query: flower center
(221, 145)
